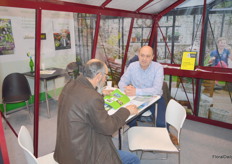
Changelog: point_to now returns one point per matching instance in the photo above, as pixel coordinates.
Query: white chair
(25, 142)
(166, 95)
(157, 139)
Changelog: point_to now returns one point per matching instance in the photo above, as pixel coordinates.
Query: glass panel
(218, 42)
(17, 53)
(57, 52)
(215, 102)
(183, 90)
(181, 29)
(84, 35)
(112, 40)
(140, 37)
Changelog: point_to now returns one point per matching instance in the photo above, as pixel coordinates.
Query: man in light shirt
(145, 77)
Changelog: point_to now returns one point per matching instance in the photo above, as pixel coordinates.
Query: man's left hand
(106, 92)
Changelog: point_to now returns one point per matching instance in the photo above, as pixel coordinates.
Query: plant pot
(134, 39)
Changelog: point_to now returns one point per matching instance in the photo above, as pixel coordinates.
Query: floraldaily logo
(222, 156)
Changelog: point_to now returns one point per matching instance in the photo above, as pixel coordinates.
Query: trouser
(160, 120)
(128, 157)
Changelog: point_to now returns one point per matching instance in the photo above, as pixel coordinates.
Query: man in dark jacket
(84, 128)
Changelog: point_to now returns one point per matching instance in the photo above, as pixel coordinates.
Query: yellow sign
(188, 60)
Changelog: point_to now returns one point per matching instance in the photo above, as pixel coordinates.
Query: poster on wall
(17, 34)
(62, 39)
(7, 44)
(61, 34)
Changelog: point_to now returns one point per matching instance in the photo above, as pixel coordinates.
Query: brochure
(115, 100)
(47, 72)
(188, 60)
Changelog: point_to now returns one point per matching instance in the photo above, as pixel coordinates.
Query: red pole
(3, 147)
(96, 36)
(200, 57)
(37, 79)
(127, 45)
(202, 32)
(153, 37)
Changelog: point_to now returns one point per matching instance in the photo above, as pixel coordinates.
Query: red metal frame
(153, 38)
(210, 122)
(97, 28)
(72, 7)
(165, 11)
(205, 73)
(144, 5)
(55, 5)
(202, 32)
(127, 45)
(105, 3)
(37, 79)
(3, 146)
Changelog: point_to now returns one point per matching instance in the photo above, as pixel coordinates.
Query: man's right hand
(130, 90)
(132, 108)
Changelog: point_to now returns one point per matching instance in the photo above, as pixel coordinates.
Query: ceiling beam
(56, 5)
(144, 5)
(105, 3)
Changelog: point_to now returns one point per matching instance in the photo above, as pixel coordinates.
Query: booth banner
(59, 30)
(17, 33)
(7, 44)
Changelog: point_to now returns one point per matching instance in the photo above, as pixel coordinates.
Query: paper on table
(141, 101)
(49, 72)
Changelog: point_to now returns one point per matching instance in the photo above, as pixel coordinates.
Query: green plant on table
(31, 63)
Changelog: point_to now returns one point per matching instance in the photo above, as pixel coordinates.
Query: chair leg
(153, 120)
(166, 156)
(156, 112)
(141, 155)
(4, 108)
(27, 104)
(28, 107)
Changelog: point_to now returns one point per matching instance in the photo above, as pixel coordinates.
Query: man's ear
(98, 76)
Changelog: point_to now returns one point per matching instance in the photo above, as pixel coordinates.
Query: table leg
(156, 112)
(54, 89)
(46, 97)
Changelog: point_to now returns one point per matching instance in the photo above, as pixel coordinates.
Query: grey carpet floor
(200, 143)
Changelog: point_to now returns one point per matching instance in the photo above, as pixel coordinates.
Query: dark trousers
(160, 120)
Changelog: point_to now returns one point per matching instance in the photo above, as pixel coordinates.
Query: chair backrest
(15, 88)
(26, 143)
(166, 94)
(72, 70)
(175, 115)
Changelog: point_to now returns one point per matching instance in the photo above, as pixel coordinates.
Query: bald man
(145, 77)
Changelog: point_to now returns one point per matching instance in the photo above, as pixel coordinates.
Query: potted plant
(138, 36)
(176, 36)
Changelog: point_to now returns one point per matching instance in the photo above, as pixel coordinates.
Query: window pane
(112, 40)
(215, 102)
(218, 42)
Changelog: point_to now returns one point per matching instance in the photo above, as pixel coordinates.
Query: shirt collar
(146, 68)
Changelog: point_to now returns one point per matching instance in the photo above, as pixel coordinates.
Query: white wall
(23, 27)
